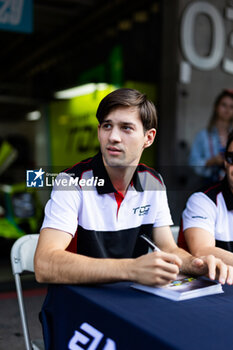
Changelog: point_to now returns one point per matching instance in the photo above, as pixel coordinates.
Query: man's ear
(149, 137)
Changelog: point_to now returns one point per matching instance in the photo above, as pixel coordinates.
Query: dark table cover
(130, 319)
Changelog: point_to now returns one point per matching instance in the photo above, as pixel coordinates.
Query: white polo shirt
(101, 221)
(212, 210)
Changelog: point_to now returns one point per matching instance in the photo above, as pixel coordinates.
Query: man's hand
(157, 268)
(214, 268)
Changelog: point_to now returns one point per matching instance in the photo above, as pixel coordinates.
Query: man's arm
(54, 264)
(205, 264)
(201, 242)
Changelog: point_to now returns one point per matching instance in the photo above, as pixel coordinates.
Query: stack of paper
(185, 287)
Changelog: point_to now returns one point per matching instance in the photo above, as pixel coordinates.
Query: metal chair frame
(22, 260)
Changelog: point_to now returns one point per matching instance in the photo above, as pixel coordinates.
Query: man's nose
(114, 135)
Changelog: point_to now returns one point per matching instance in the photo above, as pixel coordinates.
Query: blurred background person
(207, 151)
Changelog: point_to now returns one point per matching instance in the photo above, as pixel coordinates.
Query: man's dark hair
(229, 140)
(129, 98)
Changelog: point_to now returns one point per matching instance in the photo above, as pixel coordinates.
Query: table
(118, 317)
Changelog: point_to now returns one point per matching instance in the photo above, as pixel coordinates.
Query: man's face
(229, 168)
(122, 138)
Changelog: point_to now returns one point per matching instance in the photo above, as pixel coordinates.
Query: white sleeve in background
(200, 212)
(61, 211)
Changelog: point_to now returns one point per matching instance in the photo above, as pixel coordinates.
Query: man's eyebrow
(127, 123)
(122, 123)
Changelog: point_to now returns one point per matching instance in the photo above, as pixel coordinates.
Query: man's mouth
(114, 150)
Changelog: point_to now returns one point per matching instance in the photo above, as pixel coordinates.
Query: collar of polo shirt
(100, 171)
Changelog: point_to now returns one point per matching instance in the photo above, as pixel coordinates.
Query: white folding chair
(22, 256)
(175, 231)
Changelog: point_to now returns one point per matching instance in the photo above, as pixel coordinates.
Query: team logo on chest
(143, 210)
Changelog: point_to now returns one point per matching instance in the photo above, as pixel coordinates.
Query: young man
(110, 218)
(208, 217)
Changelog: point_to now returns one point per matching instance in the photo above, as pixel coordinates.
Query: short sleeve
(200, 212)
(61, 211)
(163, 215)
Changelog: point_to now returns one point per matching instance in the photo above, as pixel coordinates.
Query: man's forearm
(65, 267)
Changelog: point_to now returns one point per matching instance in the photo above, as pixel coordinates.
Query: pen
(150, 243)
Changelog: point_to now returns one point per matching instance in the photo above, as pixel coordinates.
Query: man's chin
(115, 164)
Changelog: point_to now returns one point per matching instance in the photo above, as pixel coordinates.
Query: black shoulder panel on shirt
(212, 191)
(142, 167)
(78, 169)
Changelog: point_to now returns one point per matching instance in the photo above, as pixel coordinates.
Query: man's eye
(127, 128)
(106, 126)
